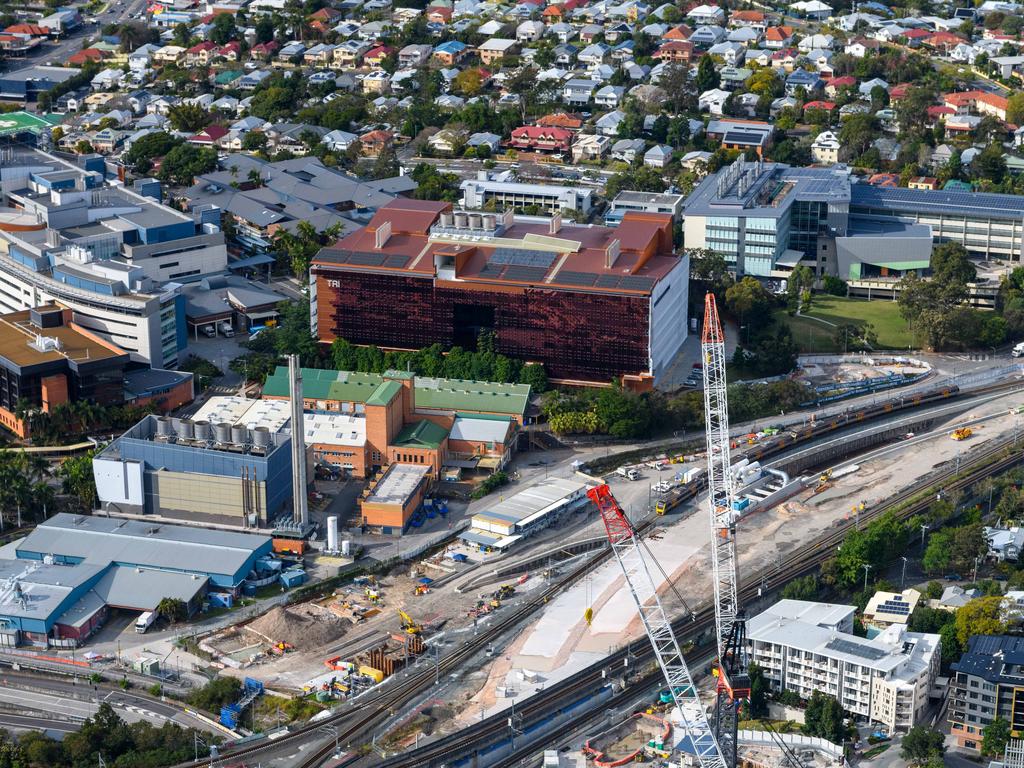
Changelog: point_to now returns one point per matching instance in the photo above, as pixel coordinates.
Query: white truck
(145, 621)
(225, 328)
(1018, 350)
(630, 473)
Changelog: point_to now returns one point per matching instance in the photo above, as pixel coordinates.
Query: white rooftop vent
(45, 343)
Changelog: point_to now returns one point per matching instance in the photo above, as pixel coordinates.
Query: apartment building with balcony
(986, 683)
(805, 646)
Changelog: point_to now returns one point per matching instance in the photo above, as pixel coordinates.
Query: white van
(1018, 350)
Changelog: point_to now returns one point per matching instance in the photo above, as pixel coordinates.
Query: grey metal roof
(44, 588)
(142, 589)
(103, 540)
(994, 658)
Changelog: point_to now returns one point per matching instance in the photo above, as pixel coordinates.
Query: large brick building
(591, 303)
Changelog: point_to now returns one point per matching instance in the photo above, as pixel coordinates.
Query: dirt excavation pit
(302, 629)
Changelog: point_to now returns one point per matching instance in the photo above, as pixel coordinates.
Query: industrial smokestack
(300, 508)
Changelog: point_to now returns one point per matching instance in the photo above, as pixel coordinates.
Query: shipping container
(376, 674)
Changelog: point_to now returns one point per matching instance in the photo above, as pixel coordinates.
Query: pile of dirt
(303, 632)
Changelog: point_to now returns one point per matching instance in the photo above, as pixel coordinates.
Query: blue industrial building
(59, 582)
(27, 83)
(221, 473)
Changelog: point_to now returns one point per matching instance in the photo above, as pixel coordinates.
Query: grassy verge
(883, 316)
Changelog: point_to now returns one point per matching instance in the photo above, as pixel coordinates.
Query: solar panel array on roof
(522, 257)
(567, 277)
(367, 259)
(970, 203)
(524, 274)
(634, 283)
(396, 261)
(742, 137)
(492, 270)
(855, 649)
(334, 255)
(896, 606)
(608, 281)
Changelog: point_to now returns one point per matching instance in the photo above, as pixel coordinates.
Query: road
(30, 723)
(77, 701)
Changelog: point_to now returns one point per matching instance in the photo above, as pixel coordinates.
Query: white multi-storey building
(805, 647)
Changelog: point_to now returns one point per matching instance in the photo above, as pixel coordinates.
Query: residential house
(658, 156)
(530, 31)
(677, 51)
(609, 96)
(861, 47)
(374, 143)
(349, 54)
(578, 91)
(827, 149)
(491, 141)
(209, 136)
(608, 124)
(706, 14)
(755, 20)
(742, 134)
(451, 52)
(412, 56)
(492, 51)
(731, 53)
(539, 139)
(712, 101)
(376, 55)
(929, 183)
(706, 36)
(777, 38)
(593, 55)
(836, 85)
(590, 147)
(169, 54)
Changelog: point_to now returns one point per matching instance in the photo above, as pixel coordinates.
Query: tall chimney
(300, 506)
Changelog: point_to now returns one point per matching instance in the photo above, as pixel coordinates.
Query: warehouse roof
(142, 589)
(32, 590)
(481, 430)
(525, 506)
(103, 540)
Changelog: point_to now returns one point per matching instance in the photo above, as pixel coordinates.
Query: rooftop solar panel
(525, 274)
(522, 257)
(608, 281)
(855, 649)
(334, 255)
(396, 261)
(568, 277)
(742, 137)
(492, 270)
(633, 283)
(367, 259)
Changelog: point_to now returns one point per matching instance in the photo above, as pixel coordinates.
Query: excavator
(410, 626)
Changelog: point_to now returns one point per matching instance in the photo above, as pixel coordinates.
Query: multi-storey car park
(111, 255)
(591, 303)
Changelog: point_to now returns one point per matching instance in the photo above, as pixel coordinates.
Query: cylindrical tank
(476, 221)
(202, 429)
(490, 222)
(164, 428)
(461, 220)
(346, 548)
(185, 430)
(447, 219)
(261, 437)
(239, 434)
(222, 432)
(332, 533)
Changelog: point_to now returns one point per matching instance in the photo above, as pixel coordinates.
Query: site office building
(591, 303)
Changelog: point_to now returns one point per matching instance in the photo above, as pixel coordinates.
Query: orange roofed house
(591, 303)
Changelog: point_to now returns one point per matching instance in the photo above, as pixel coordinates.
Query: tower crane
(630, 554)
(730, 623)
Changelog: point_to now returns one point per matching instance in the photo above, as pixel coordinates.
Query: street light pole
(866, 567)
(924, 527)
(903, 575)
(975, 579)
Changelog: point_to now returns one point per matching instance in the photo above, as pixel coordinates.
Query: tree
(264, 29)
(299, 247)
(711, 270)
(802, 588)
(1015, 108)
(707, 75)
(182, 35)
(254, 141)
(223, 28)
(173, 609)
(749, 301)
(217, 693)
(824, 718)
(758, 692)
(468, 82)
(77, 479)
(188, 118)
(921, 744)
(990, 163)
(981, 616)
(186, 161)
(535, 376)
(83, 147)
(151, 146)
(994, 737)
(642, 179)
(951, 263)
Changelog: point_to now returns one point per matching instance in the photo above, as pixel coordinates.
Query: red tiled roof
(828, 106)
(27, 29)
(210, 133)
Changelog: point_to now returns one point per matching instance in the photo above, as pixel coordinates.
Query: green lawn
(883, 316)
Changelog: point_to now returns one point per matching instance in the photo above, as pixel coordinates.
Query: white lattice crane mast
(630, 554)
(730, 625)
(720, 491)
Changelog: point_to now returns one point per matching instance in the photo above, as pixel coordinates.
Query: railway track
(355, 717)
(905, 504)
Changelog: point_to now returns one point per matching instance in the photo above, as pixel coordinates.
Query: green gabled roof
(421, 434)
(384, 393)
(431, 394)
(227, 76)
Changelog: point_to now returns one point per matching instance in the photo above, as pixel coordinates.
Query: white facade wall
(668, 327)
